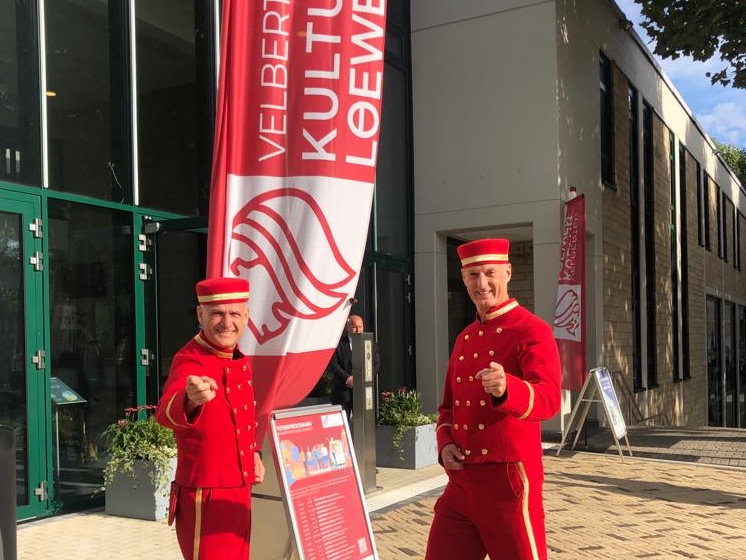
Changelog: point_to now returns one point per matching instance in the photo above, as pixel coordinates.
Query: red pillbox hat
(214, 291)
(484, 251)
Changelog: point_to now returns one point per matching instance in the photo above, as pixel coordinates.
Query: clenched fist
(493, 379)
(200, 390)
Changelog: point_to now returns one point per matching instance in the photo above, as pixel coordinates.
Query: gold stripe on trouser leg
(526, 516)
(197, 522)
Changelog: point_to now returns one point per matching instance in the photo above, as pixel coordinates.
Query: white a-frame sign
(598, 384)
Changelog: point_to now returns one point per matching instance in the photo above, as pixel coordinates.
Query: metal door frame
(38, 407)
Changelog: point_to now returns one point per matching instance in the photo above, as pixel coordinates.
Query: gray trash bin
(7, 494)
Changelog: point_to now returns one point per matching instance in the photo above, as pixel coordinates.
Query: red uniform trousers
(213, 523)
(490, 508)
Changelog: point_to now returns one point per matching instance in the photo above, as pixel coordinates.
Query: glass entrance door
(23, 405)
(176, 255)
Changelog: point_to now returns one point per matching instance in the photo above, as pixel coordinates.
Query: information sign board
(610, 402)
(323, 496)
(62, 394)
(598, 382)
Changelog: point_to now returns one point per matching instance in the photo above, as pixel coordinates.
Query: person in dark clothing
(340, 365)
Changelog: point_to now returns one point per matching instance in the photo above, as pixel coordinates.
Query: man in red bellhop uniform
(208, 401)
(503, 378)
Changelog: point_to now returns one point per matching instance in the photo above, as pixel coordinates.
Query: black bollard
(7, 494)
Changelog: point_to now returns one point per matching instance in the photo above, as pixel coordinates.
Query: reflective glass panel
(392, 208)
(181, 260)
(13, 350)
(85, 98)
(742, 366)
(390, 330)
(172, 108)
(729, 350)
(20, 159)
(714, 382)
(92, 335)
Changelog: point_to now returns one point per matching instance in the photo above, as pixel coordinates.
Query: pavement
(598, 506)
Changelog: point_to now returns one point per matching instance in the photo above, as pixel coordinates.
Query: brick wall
(685, 402)
(521, 284)
(617, 267)
(695, 409)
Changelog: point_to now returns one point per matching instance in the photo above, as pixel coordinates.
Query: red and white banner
(296, 139)
(569, 312)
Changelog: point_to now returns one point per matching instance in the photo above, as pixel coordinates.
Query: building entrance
(23, 362)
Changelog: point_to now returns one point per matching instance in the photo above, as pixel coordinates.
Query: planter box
(419, 446)
(136, 496)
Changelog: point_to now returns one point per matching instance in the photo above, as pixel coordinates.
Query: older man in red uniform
(503, 379)
(208, 401)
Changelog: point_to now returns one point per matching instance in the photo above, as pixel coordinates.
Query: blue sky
(720, 110)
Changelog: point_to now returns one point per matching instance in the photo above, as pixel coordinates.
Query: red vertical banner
(296, 140)
(569, 312)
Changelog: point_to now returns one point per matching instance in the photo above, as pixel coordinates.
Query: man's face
(223, 323)
(355, 324)
(487, 284)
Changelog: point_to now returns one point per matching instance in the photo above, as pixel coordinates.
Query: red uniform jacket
(507, 429)
(215, 447)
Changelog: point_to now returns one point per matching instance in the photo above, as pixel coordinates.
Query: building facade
(542, 96)
(106, 119)
(491, 111)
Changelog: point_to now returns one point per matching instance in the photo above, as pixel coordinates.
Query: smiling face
(487, 285)
(224, 323)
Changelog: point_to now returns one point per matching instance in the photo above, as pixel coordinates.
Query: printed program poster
(613, 410)
(321, 485)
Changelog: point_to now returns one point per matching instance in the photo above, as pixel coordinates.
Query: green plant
(402, 410)
(138, 437)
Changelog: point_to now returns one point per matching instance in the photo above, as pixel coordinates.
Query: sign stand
(321, 489)
(62, 395)
(599, 383)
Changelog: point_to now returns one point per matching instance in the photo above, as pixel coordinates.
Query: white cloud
(726, 122)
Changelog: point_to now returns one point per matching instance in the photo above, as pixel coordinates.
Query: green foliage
(735, 158)
(700, 28)
(402, 410)
(138, 437)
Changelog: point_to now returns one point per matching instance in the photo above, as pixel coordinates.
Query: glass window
(719, 218)
(649, 218)
(684, 237)
(729, 352)
(707, 181)
(735, 232)
(397, 13)
(700, 213)
(742, 366)
(391, 331)
(714, 381)
(725, 212)
(392, 174)
(13, 357)
(181, 258)
(739, 220)
(86, 98)
(92, 333)
(20, 157)
(634, 215)
(607, 124)
(673, 228)
(175, 105)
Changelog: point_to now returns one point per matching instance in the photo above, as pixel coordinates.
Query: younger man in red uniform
(503, 379)
(208, 401)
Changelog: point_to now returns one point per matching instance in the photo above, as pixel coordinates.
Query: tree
(700, 28)
(735, 158)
